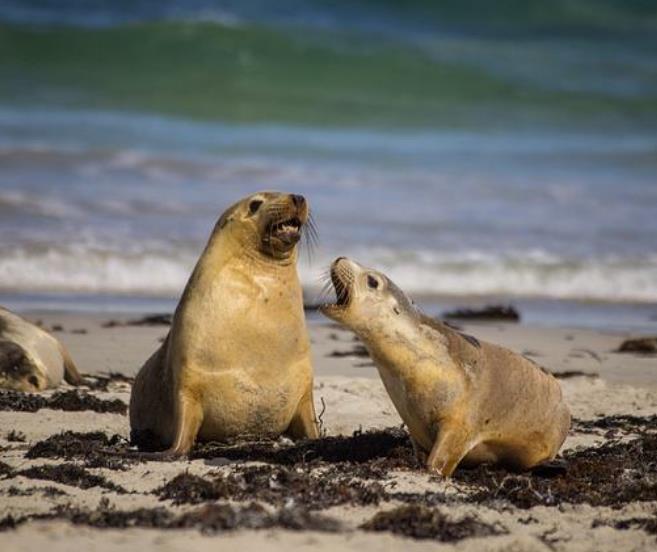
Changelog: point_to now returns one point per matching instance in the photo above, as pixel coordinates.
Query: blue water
(539, 184)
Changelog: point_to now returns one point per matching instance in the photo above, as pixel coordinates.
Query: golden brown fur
(31, 359)
(462, 400)
(237, 358)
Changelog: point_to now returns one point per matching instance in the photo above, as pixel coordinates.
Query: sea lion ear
(227, 217)
(223, 221)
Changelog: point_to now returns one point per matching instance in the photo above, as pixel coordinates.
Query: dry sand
(351, 396)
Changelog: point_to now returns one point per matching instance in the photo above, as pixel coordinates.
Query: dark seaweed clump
(610, 475)
(5, 469)
(568, 374)
(391, 446)
(358, 351)
(639, 345)
(274, 485)
(16, 436)
(623, 422)
(503, 313)
(187, 488)
(649, 525)
(96, 449)
(72, 401)
(46, 491)
(70, 474)
(212, 518)
(148, 320)
(420, 522)
(101, 382)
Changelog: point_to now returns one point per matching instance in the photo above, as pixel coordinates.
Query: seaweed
(16, 436)
(101, 382)
(419, 522)
(609, 475)
(624, 422)
(5, 469)
(392, 446)
(46, 491)
(649, 525)
(69, 474)
(567, 374)
(148, 320)
(639, 345)
(275, 485)
(504, 313)
(72, 401)
(358, 351)
(96, 449)
(212, 518)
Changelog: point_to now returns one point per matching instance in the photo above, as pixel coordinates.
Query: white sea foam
(533, 274)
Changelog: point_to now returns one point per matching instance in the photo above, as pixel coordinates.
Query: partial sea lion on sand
(462, 399)
(237, 358)
(30, 358)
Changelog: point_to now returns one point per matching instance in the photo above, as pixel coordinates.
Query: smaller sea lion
(462, 399)
(30, 358)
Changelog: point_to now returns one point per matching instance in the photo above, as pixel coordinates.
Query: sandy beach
(91, 495)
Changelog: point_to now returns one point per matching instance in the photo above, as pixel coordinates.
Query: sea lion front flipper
(189, 416)
(71, 374)
(451, 446)
(304, 422)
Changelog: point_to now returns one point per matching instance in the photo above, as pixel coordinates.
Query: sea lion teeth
(462, 399)
(237, 358)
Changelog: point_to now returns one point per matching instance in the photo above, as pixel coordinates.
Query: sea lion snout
(298, 200)
(277, 219)
(16, 370)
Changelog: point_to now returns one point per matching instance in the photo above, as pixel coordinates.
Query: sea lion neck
(229, 248)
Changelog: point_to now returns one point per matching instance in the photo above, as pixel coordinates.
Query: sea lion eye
(254, 206)
(33, 381)
(372, 282)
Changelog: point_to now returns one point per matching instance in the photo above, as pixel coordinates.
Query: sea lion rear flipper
(71, 374)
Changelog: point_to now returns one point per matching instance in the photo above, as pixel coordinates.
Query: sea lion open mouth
(341, 288)
(283, 224)
(288, 231)
(342, 279)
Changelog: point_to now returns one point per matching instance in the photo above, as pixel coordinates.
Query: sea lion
(461, 399)
(237, 358)
(30, 358)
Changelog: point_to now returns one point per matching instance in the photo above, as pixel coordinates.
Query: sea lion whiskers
(310, 235)
(326, 287)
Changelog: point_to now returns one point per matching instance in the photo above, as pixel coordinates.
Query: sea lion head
(17, 370)
(269, 223)
(365, 297)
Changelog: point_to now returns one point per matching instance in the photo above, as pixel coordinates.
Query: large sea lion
(30, 358)
(237, 358)
(461, 399)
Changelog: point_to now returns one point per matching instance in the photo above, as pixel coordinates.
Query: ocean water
(508, 154)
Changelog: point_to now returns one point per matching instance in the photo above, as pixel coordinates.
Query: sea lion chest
(250, 357)
(422, 383)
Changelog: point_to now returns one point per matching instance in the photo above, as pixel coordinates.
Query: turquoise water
(498, 152)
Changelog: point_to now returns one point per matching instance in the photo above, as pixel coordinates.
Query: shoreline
(619, 316)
